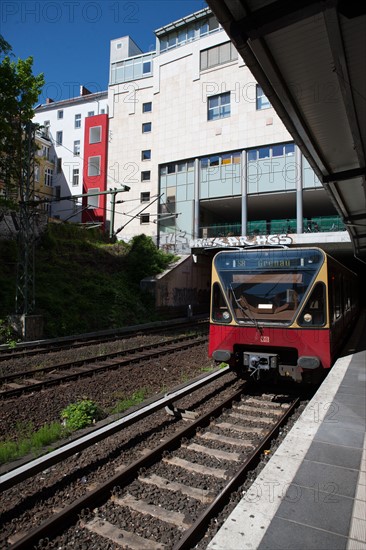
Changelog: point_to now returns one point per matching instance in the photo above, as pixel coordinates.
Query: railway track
(50, 346)
(13, 385)
(166, 498)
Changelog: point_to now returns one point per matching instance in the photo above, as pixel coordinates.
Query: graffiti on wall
(254, 240)
(175, 242)
(180, 242)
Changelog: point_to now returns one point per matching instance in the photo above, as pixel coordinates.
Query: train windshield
(266, 285)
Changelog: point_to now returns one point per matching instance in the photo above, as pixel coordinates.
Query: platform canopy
(310, 59)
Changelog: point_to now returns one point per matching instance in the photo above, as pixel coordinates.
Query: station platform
(311, 495)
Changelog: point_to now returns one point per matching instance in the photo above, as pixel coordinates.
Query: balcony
(274, 227)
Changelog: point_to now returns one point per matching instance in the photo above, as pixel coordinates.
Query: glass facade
(132, 68)
(187, 33)
(272, 168)
(269, 168)
(177, 189)
(220, 175)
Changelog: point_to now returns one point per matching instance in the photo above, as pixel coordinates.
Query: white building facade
(199, 145)
(64, 123)
(192, 136)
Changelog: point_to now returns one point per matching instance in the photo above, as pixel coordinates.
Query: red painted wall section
(95, 170)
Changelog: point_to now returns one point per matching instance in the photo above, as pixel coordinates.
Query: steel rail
(17, 475)
(195, 533)
(69, 514)
(68, 342)
(4, 379)
(184, 341)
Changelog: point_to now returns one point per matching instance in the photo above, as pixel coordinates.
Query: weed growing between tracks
(127, 402)
(31, 441)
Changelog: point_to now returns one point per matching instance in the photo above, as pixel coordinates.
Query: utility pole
(25, 294)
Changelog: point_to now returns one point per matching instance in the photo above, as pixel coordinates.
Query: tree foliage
(19, 91)
(145, 259)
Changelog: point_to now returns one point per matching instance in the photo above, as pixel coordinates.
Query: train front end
(268, 315)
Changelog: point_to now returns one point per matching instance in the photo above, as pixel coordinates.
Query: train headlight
(273, 362)
(308, 318)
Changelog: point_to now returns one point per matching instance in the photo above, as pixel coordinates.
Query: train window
(337, 297)
(220, 310)
(266, 285)
(313, 313)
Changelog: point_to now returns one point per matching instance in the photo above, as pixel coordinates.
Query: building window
(94, 166)
(145, 175)
(59, 165)
(48, 175)
(91, 113)
(146, 127)
(77, 147)
(36, 172)
(144, 218)
(95, 134)
(44, 152)
(273, 151)
(75, 177)
(192, 31)
(132, 68)
(60, 115)
(218, 106)
(146, 154)
(78, 121)
(262, 100)
(147, 107)
(218, 55)
(58, 138)
(145, 196)
(93, 201)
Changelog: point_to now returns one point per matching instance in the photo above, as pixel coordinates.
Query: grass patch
(127, 402)
(31, 442)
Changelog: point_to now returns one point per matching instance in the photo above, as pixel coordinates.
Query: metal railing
(275, 227)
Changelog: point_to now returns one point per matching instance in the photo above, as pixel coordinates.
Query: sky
(69, 40)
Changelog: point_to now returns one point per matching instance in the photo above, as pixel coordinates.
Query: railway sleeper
(120, 536)
(211, 436)
(203, 495)
(252, 418)
(241, 429)
(249, 409)
(196, 468)
(158, 512)
(217, 453)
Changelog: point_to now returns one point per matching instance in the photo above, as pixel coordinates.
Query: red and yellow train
(280, 312)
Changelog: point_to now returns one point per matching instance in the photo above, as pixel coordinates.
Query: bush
(7, 334)
(145, 259)
(81, 414)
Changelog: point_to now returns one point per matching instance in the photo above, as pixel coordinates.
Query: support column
(299, 197)
(244, 194)
(196, 228)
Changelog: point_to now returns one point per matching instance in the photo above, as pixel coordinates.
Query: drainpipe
(299, 196)
(244, 194)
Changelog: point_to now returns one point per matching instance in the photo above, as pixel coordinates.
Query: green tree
(19, 91)
(145, 259)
